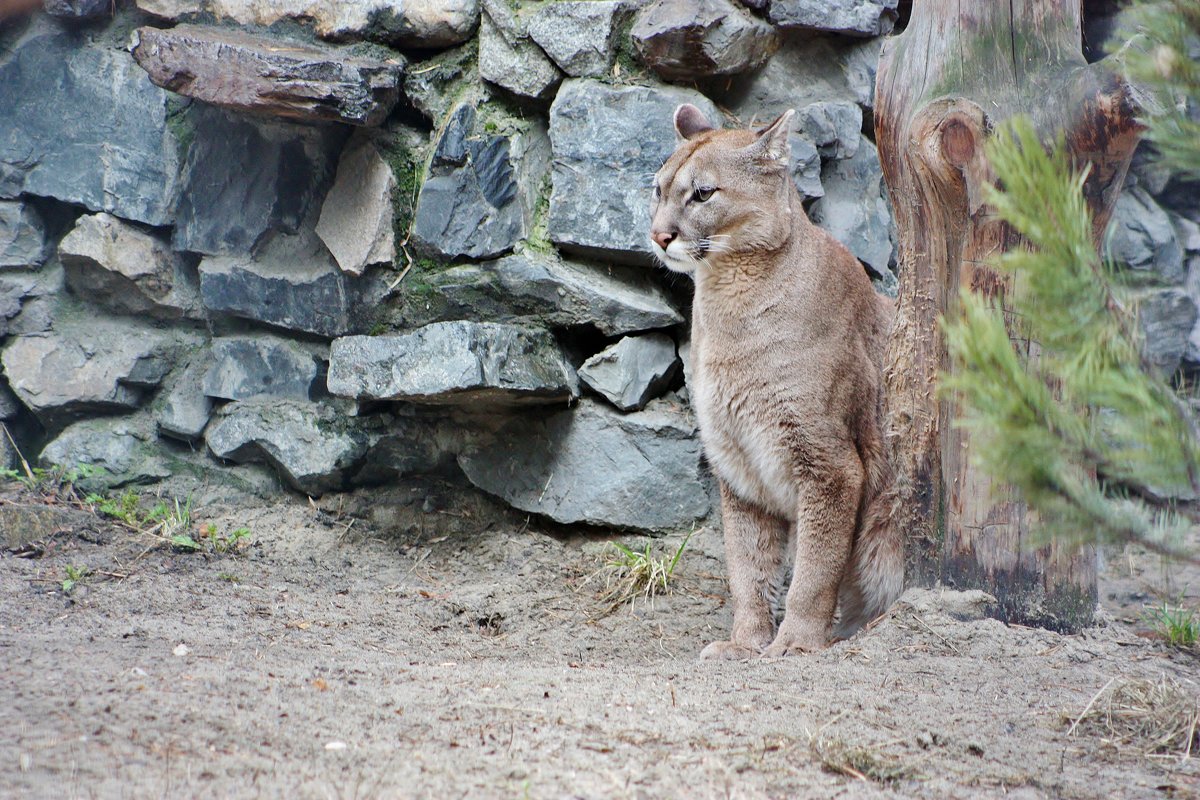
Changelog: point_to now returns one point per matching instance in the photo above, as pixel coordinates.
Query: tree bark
(958, 70)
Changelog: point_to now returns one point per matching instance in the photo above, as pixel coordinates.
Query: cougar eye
(657, 191)
(702, 193)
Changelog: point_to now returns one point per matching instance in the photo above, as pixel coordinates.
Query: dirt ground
(417, 643)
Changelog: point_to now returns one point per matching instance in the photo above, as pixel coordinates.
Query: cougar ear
(772, 147)
(690, 121)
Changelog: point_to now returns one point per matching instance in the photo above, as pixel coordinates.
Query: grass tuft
(631, 574)
(1178, 625)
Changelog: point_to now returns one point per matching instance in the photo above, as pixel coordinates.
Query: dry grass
(855, 761)
(1156, 717)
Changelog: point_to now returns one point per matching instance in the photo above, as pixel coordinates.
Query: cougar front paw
(727, 651)
(793, 646)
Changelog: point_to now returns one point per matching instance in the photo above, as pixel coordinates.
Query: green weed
(1178, 625)
(75, 575)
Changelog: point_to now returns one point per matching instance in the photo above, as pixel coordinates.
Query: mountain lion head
(721, 193)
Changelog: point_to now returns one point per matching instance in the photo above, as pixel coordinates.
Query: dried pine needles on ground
(1156, 717)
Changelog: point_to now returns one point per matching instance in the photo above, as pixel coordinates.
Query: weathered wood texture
(958, 70)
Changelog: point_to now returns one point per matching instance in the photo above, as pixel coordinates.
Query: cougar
(787, 350)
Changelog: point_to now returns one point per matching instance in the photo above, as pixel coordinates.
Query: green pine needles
(1163, 58)
(1096, 442)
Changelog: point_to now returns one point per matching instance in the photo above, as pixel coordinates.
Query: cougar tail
(875, 577)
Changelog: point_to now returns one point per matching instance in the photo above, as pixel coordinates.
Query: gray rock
(92, 366)
(632, 372)
(183, 408)
(406, 444)
(688, 39)
(79, 9)
(805, 166)
(461, 363)
(97, 135)
(10, 406)
(27, 299)
(861, 62)
(245, 180)
(424, 24)
(1142, 238)
(238, 70)
(835, 127)
(508, 58)
(122, 451)
(311, 446)
(596, 465)
(557, 293)
(427, 24)
(478, 198)
(580, 36)
(1167, 319)
(608, 142)
(289, 286)
(854, 17)
(807, 69)
(356, 217)
(22, 235)
(110, 262)
(434, 86)
(249, 366)
(854, 209)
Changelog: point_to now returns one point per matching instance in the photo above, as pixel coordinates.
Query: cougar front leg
(826, 515)
(754, 548)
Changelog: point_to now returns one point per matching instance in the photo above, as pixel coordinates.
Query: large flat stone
(580, 36)
(117, 265)
(853, 17)
(356, 217)
(608, 142)
(246, 180)
(92, 366)
(22, 235)
(95, 136)
(289, 287)
(556, 292)
(423, 24)
(478, 196)
(244, 72)
(460, 363)
(250, 366)
(595, 465)
(310, 445)
(689, 39)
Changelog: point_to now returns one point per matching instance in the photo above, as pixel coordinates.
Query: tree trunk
(958, 70)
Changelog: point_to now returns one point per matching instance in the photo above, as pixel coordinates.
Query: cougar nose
(663, 238)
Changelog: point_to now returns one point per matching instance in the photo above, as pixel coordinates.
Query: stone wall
(351, 242)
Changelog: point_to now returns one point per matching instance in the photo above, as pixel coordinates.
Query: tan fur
(787, 349)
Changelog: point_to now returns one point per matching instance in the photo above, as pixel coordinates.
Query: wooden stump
(944, 84)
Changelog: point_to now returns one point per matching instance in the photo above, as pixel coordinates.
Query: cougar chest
(742, 431)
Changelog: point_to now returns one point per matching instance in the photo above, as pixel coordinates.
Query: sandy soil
(381, 647)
